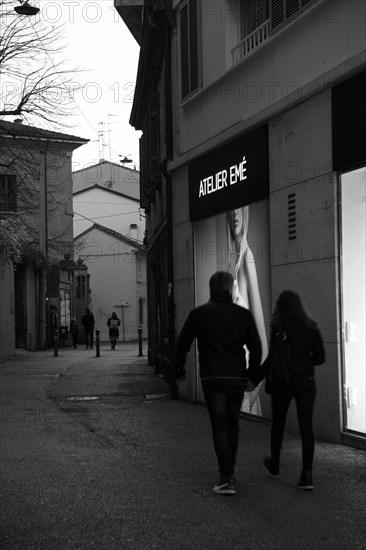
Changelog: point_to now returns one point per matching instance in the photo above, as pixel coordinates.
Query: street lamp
(25, 8)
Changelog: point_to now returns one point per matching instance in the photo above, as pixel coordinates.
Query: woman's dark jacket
(113, 331)
(306, 350)
(222, 329)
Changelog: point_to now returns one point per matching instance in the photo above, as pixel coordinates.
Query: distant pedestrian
(222, 329)
(88, 323)
(113, 324)
(74, 331)
(294, 329)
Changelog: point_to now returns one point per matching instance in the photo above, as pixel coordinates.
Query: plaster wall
(59, 203)
(300, 157)
(184, 282)
(309, 54)
(113, 279)
(107, 174)
(114, 211)
(300, 164)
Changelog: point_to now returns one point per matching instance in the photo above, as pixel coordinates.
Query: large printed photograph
(237, 241)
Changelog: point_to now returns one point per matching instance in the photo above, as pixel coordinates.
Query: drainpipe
(43, 250)
(169, 23)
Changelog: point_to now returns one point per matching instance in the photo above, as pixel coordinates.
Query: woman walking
(299, 334)
(113, 324)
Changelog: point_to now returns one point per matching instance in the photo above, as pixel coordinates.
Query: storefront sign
(348, 123)
(235, 175)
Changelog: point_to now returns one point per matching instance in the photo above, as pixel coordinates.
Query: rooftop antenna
(109, 136)
(102, 144)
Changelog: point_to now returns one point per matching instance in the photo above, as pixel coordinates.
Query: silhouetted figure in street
(88, 323)
(222, 329)
(74, 330)
(290, 375)
(113, 324)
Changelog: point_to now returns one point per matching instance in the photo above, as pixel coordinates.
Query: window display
(237, 241)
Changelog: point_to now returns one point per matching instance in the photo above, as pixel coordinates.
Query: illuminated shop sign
(234, 175)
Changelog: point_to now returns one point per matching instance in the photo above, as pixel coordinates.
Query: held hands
(180, 373)
(250, 386)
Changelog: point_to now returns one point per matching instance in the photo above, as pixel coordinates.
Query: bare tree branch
(35, 84)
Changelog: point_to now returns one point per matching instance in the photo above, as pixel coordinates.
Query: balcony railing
(250, 42)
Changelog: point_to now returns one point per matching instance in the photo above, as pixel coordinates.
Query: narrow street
(95, 454)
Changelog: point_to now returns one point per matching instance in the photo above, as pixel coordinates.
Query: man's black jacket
(222, 330)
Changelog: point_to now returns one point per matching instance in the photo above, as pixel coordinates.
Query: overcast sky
(99, 42)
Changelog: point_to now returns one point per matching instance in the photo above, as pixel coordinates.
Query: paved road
(88, 461)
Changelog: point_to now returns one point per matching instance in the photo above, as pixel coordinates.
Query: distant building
(109, 232)
(36, 216)
(117, 268)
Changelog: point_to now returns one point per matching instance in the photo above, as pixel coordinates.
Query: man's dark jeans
(223, 399)
(303, 391)
(88, 338)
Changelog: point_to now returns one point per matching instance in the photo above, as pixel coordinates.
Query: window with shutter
(8, 192)
(193, 44)
(154, 138)
(292, 6)
(277, 13)
(281, 10)
(143, 178)
(189, 47)
(261, 12)
(259, 19)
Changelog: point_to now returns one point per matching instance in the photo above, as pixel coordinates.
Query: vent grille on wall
(291, 216)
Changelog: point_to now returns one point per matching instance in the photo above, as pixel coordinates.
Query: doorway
(353, 276)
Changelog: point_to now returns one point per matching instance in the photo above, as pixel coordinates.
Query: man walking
(222, 329)
(88, 323)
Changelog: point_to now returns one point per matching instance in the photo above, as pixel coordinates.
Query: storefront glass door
(353, 191)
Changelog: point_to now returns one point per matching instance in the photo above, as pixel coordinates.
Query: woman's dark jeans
(223, 399)
(303, 390)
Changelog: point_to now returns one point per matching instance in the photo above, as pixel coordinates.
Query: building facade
(117, 269)
(267, 175)
(109, 232)
(108, 194)
(37, 235)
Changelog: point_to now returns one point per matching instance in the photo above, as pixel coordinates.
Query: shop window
(353, 286)
(8, 188)
(189, 47)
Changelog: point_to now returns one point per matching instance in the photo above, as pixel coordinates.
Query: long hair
(290, 311)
